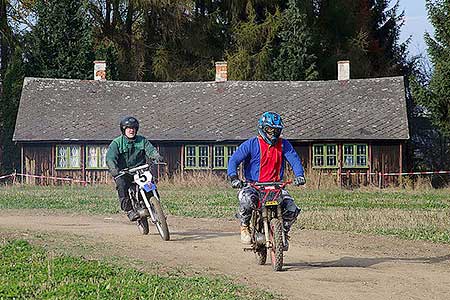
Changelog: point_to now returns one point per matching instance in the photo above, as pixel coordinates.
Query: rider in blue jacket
(263, 159)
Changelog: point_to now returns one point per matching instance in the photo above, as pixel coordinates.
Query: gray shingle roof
(61, 109)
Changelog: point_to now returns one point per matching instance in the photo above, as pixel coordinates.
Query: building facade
(345, 126)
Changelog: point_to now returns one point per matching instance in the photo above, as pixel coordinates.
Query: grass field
(410, 214)
(30, 272)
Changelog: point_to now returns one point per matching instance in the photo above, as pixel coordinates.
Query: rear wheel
(160, 219)
(142, 225)
(276, 237)
(261, 255)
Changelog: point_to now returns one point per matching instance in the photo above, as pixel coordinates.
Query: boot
(133, 215)
(245, 235)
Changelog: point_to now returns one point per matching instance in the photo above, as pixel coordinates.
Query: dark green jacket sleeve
(151, 152)
(112, 159)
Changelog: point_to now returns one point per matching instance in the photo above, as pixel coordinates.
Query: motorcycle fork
(147, 204)
(253, 224)
(266, 227)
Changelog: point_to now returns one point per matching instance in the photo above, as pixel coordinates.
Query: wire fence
(341, 178)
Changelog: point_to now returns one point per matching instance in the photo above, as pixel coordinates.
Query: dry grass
(366, 220)
(194, 179)
(316, 180)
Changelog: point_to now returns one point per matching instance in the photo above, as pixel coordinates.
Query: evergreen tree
(435, 94)
(387, 55)
(189, 54)
(60, 44)
(9, 103)
(254, 42)
(366, 32)
(295, 60)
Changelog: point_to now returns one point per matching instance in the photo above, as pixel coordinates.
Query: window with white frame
(68, 157)
(222, 154)
(196, 157)
(325, 156)
(96, 157)
(355, 155)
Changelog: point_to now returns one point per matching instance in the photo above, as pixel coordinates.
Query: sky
(416, 24)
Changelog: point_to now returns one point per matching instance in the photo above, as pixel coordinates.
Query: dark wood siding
(303, 152)
(37, 160)
(171, 154)
(383, 157)
(98, 176)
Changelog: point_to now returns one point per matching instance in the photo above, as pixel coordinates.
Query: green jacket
(125, 153)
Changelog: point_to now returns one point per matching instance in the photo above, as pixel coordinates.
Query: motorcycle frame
(140, 192)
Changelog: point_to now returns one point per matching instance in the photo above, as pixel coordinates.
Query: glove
(118, 176)
(236, 182)
(299, 180)
(114, 172)
(157, 158)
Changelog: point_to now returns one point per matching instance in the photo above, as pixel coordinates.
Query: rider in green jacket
(127, 151)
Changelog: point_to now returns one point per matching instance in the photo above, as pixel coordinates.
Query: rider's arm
(238, 156)
(150, 151)
(112, 159)
(293, 158)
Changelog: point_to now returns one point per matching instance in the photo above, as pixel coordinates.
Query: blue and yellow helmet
(270, 126)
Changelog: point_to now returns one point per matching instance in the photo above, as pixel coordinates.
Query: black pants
(123, 183)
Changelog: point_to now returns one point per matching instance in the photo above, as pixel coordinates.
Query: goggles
(272, 131)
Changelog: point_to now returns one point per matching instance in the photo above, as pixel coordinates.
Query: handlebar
(276, 184)
(268, 183)
(135, 169)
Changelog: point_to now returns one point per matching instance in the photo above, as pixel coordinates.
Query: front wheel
(160, 219)
(276, 237)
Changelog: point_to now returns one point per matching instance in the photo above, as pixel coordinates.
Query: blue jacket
(249, 153)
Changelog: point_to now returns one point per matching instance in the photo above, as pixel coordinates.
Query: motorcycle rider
(128, 150)
(264, 159)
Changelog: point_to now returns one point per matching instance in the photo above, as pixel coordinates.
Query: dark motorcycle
(145, 200)
(266, 224)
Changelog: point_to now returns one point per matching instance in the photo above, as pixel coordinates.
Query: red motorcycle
(266, 224)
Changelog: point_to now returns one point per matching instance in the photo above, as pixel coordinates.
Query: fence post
(379, 180)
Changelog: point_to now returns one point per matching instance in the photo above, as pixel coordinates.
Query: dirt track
(319, 265)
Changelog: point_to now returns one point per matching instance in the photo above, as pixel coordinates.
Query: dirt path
(319, 265)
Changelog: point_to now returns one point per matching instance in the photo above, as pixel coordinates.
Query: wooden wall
(37, 160)
(171, 154)
(40, 160)
(383, 157)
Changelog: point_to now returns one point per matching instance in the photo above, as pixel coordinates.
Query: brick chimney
(99, 70)
(221, 71)
(343, 70)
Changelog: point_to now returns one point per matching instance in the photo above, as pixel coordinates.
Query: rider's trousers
(248, 199)
(123, 183)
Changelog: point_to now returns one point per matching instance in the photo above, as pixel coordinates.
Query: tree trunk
(4, 44)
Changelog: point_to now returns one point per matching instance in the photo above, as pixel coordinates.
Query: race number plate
(269, 203)
(144, 180)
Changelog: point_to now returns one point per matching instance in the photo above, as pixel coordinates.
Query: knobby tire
(161, 223)
(142, 225)
(276, 237)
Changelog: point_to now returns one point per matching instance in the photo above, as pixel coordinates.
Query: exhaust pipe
(143, 212)
(260, 238)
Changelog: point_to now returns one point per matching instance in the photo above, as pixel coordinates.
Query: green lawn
(29, 272)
